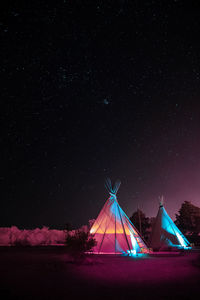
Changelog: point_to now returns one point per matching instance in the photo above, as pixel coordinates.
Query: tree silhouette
(141, 222)
(188, 218)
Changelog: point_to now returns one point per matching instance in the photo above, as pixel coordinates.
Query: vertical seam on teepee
(105, 233)
(123, 227)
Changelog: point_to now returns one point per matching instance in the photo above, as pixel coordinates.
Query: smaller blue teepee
(166, 234)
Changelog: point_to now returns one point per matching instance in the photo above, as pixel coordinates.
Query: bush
(78, 244)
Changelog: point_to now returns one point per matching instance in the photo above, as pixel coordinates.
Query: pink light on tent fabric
(113, 230)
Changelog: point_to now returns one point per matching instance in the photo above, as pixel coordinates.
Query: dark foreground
(47, 273)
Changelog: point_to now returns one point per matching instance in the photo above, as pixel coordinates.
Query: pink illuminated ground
(46, 273)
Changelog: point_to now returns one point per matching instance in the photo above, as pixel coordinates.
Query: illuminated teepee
(165, 233)
(113, 231)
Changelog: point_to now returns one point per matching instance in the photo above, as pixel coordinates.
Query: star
(106, 101)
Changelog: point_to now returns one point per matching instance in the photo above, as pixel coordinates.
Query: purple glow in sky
(93, 91)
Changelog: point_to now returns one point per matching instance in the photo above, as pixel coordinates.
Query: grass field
(48, 273)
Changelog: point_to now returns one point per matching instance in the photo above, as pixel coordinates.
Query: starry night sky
(96, 89)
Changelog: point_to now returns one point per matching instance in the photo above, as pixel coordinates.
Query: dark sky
(91, 89)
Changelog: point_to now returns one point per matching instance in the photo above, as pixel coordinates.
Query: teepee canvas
(113, 231)
(165, 233)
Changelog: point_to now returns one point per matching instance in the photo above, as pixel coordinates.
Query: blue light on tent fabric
(135, 255)
(181, 240)
(168, 225)
(132, 252)
(114, 210)
(167, 241)
(134, 243)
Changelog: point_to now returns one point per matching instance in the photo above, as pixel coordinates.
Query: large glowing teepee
(165, 233)
(113, 231)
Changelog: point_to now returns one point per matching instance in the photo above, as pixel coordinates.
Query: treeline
(187, 220)
(13, 236)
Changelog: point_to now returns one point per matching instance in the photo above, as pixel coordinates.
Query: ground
(48, 273)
